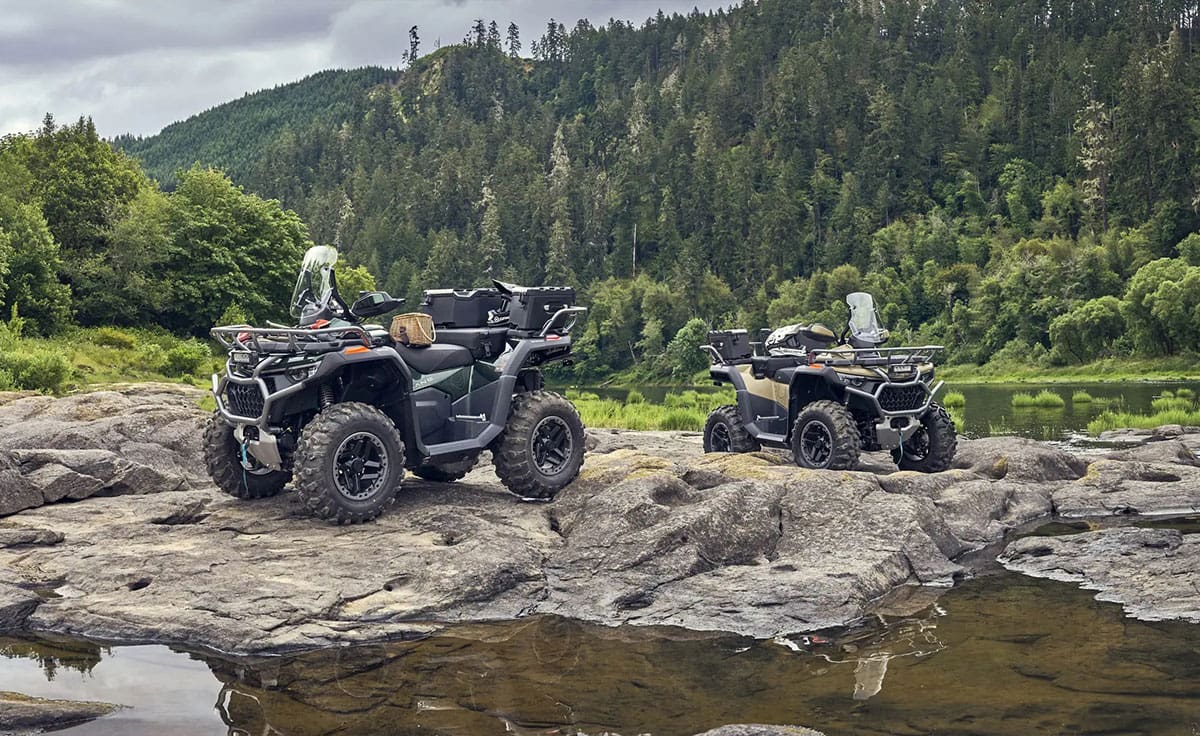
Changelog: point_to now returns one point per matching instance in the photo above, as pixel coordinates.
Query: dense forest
(1018, 180)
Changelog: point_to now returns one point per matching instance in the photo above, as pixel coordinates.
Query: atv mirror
(374, 303)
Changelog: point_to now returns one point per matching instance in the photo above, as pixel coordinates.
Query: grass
(1175, 368)
(86, 357)
(684, 411)
(1082, 397)
(1044, 399)
(1171, 407)
(954, 400)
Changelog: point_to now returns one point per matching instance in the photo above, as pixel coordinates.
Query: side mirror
(374, 303)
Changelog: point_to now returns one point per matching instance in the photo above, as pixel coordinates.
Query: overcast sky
(137, 65)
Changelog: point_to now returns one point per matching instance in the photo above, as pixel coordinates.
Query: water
(989, 408)
(1000, 654)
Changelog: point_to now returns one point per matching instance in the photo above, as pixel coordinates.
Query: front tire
(349, 463)
(446, 472)
(223, 460)
(931, 448)
(541, 448)
(825, 437)
(724, 431)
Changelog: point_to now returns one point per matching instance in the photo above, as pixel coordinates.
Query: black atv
(341, 408)
(827, 397)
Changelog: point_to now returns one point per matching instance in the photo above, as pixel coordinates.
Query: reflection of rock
(24, 712)
(868, 676)
(758, 729)
(1153, 573)
(653, 533)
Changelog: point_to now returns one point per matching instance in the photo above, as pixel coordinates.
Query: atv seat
(435, 357)
(766, 365)
(483, 342)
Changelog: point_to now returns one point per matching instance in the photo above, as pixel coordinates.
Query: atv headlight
(302, 373)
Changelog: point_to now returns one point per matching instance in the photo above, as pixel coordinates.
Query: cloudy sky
(137, 65)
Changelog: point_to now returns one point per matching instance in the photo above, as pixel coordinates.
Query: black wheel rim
(816, 444)
(360, 466)
(917, 446)
(719, 439)
(552, 445)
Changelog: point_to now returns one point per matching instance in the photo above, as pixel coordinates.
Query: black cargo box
(733, 345)
(457, 308)
(530, 307)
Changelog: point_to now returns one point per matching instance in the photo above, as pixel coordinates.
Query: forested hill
(234, 136)
(1017, 179)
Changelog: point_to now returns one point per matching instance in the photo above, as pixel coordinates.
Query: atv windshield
(315, 283)
(864, 321)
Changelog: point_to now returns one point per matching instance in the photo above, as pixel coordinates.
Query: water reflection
(999, 655)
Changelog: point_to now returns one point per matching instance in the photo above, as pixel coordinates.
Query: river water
(999, 654)
(989, 410)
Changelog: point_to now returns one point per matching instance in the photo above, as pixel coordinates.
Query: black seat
(766, 365)
(435, 357)
(483, 342)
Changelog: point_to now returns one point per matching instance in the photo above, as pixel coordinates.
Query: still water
(1000, 654)
(989, 410)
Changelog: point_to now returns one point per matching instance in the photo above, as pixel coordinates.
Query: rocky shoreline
(111, 532)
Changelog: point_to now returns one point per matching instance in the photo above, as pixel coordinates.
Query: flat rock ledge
(1153, 573)
(26, 714)
(652, 533)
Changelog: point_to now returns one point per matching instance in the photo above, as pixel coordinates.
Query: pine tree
(514, 41)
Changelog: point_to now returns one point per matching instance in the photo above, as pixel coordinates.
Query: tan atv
(827, 397)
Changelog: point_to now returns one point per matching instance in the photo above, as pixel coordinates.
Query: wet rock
(27, 713)
(1130, 487)
(1018, 459)
(1170, 451)
(1153, 573)
(15, 604)
(137, 439)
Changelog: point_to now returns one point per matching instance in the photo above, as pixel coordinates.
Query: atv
(341, 407)
(827, 397)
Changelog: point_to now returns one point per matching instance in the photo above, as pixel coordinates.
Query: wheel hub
(720, 439)
(360, 466)
(816, 443)
(552, 445)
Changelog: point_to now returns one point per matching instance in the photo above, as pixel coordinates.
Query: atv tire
(931, 449)
(724, 431)
(222, 458)
(541, 448)
(825, 437)
(446, 472)
(349, 463)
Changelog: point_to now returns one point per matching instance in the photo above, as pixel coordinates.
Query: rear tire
(541, 449)
(931, 448)
(222, 458)
(825, 437)
(724, 431)
(446, 472)
(349, 463)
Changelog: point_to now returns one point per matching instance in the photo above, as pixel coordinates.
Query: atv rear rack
(245, 337)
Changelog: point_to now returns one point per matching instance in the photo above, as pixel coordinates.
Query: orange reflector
(355, 349)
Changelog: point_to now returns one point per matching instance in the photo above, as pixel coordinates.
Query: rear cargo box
(733, 345)
(458, 308)
(530, 307)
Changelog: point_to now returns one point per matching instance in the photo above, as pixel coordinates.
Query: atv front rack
(295, 340)
(876, 357)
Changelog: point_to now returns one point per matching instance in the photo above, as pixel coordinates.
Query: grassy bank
(1171, 407)
(1109, 370)
(87, 357)
(686, 410)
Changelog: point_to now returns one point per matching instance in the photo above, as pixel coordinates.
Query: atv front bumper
(252, 432)
(898, 408)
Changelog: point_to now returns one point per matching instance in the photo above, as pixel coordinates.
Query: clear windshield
(864, 322)
(314, 284)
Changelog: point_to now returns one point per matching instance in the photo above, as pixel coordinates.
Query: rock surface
(133, 439)
(758, 729)
(653, 532)
(1153, 573)
(20, 712)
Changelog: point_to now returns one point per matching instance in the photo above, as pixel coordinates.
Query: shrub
(151, 358)
(186, 357)
(682, 419)
(1081, 397)
(234, 315)
(954, 399)
(7, 382)
(37, 369)
(635, 397)
(1043, 399)
(1185, 393)
(111, 337)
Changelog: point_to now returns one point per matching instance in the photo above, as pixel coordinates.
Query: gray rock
(1018, 459)
(18, 711)
(1170, 451)
(1130, 487)
(1152, 573)
(758, 729)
